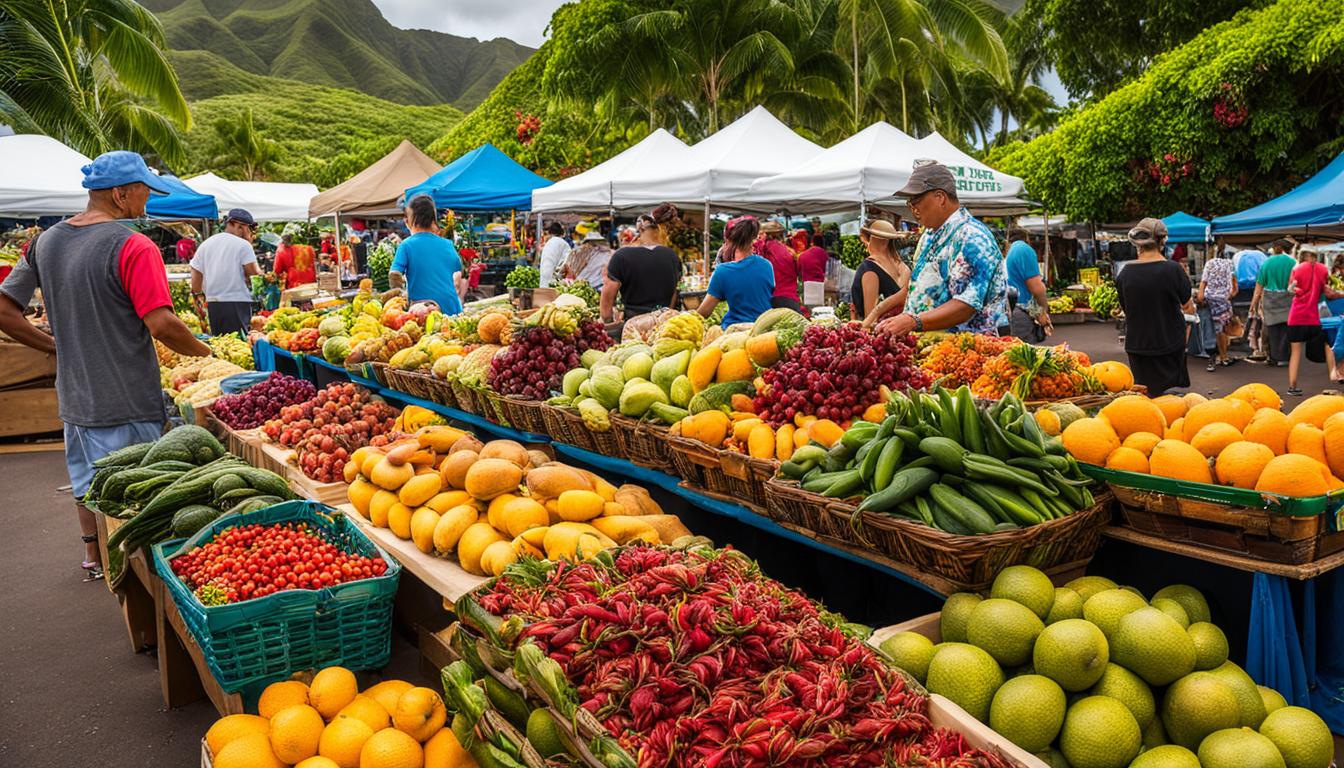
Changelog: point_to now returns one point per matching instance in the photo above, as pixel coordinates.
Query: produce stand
(135, 594)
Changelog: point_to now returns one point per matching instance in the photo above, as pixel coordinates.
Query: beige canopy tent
(374, 191)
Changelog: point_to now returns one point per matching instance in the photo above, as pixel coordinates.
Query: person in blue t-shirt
(746, 282)
(1024, 274)
(427, 266)
(1247, 263)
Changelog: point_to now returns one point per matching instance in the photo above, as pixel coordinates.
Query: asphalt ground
(75, 694)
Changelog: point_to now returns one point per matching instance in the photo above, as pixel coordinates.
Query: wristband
(919, 323)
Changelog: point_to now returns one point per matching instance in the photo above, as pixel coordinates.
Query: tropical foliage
(613, 70)
(91, 73)
(1242, 112)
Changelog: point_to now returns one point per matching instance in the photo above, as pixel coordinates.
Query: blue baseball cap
(239, 214)
(120, 167)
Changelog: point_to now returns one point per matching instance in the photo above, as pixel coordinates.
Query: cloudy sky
(521, 20)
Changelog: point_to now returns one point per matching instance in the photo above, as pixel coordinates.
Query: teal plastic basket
(270, 638)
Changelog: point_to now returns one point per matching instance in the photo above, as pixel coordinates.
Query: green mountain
(334, 43)
(324, 135)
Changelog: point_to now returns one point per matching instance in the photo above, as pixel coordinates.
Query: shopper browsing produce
(553, 254)
(220, 271)
(812, 271)
(958, 280)
(589, 261)
(785, 264)
(294, 264)
(1030, 319)
(882, 281)
(1152, 291)
(427, 266)
(1272, 301)
(1217, 288)
(745, 282)
(645, 275)
(107, 300)
(1307, 285)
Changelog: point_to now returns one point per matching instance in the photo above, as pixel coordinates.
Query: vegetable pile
(950, 462)
(250, 561)
(174, 486)
(835, 373)
(1104, 300)
(960, 358)
(262, 401)
(324, 431)
(1037, 373)
(694, 658)
(523, 277)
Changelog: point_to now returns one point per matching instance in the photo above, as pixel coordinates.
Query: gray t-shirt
(220, 260)
(106, 370)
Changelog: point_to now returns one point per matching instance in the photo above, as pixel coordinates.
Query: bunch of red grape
(533, 364)
(262, 401)
(835, 372)
(325, 430)
(592, 334)
(256, 560)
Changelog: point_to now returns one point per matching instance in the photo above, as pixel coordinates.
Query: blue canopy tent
(484, 179)
(1315, 208)
(183, 203)
(1184, 228)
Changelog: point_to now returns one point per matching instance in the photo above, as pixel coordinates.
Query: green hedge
(1240, 114)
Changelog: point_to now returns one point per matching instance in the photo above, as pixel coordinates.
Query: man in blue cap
(107, 299)
(221, 272)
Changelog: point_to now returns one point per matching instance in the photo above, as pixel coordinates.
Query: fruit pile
(262, 401)
(1095, 675)
(523, 277)
(1243, 440)
(325, 720)
(493, 503)
(1104, 300)
(231, 348)
(325, 430)
(835, 373)
(960, 358)
(1060, 305)
(947, 461)
(1036, 373)
(694, 658)
(533, 364)
(250, 561)
(581, 289)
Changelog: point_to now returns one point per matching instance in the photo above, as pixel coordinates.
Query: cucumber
(858, 434)
(887, 462)
(967, 513)
(227, 483)
(192, 518)
(792, 469)
(948, 419)
(1017, 508)
(946, 452)
(131, 455)
(253, 504)
(845, 485)
(979, 494)
(908, 436)
(971, 433)
(905, 484)
(944, 521)
(837, 458)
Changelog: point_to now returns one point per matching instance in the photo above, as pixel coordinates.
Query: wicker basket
(524, 414)
(744, 478)
(379, 371)
(786, 502)
(971, 562)
(465, 397)
(644, 443)
(1088, 402)
(693, 461)
(567, 426)
(441, 392)
(409, 382)
(492, 407)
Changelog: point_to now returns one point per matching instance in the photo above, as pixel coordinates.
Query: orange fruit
(1241, 463)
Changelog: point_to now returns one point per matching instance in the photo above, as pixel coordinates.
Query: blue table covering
(1282, 647)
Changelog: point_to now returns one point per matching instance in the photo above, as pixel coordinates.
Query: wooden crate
(29, 411)
(21, 365)
(1255, 533)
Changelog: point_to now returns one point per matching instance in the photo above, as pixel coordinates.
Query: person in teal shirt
(1270, 304)
(746, 283)
(427, 266)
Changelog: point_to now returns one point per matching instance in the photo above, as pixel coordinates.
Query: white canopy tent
(265, 200)
(979, 187)
(867, 166)
(40, 177)
(719, 169)
(592, 190)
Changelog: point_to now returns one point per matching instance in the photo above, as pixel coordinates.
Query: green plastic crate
(1294, 506)
(269, 638)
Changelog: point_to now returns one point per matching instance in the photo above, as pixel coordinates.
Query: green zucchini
(131, 455)
(253, 504)
(192, 518)
(858, 434)
(227, 483)
(905, 484)
(946, 452)
(884, 469)
(845, 485)
(967, 513)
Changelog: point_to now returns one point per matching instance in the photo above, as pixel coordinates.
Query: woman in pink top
(784, 262)
(1308, 283)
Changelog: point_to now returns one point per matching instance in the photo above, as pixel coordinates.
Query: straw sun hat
(881, 229)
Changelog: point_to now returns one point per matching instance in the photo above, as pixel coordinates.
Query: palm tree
(904, 47)
(1019, 96)
(720, 45)
(93, 74)
(241, 146)
(811, 93)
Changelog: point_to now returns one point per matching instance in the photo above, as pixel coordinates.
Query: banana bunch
(561, 322)
(1061, 304)
(232, 349)
(687, 326)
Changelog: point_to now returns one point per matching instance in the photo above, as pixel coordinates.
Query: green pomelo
(911, 652)
(1166, 756)
(1272, 699)
(1239, 748)
(966, 675)
(1172, 609)
(1191, 599)
(1025, 585)
(1005, 628)
(1087, 586)
(1301, 736)
(1195, 706)
(1128, 689)
(1099, 732)
(956, 613)
(1153, 646)
(1106, 608)
(1249, 704)
(1073, 653)
(1068, 605)
(1210, 645)
(1028, 711)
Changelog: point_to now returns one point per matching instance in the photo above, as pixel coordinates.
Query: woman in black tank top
(885, 264)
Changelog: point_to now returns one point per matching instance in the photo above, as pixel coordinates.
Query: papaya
(488, 478)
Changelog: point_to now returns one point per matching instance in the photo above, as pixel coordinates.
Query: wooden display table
(134, 593)
(184, 675)
(1226, 559)
(445, 577)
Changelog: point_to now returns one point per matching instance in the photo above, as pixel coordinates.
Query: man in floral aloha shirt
(959, 279)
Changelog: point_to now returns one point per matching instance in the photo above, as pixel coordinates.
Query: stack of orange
(1242, 440)
(743, 431)
(327, 723)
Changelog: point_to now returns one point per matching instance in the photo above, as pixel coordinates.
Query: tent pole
(863, 213)
(538, 243)
(704, 242)
(1047, 244)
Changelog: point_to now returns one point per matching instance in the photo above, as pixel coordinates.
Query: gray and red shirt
(98, 281)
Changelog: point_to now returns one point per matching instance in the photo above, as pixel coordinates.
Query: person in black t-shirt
(645, 275)
(1153, 293)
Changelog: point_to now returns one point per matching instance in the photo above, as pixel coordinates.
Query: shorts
(1298, 334)
(85, 445)
(229, 317)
